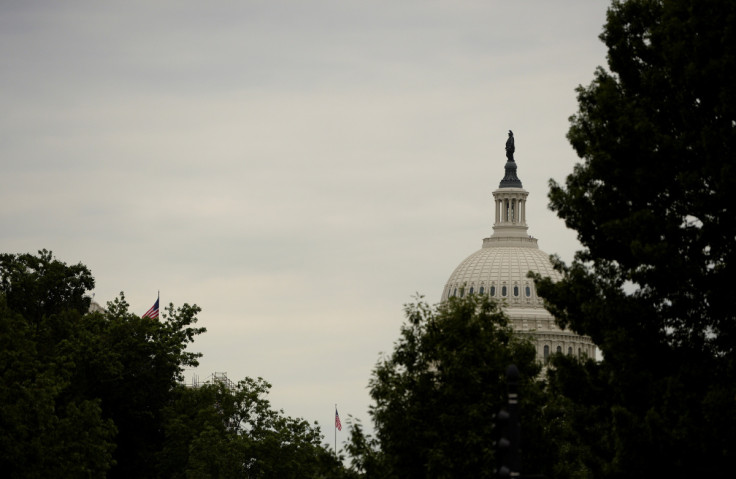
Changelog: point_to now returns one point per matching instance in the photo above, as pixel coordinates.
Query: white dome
(495, 266)
(499, 269)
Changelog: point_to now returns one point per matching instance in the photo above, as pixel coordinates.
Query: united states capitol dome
(499, 269)
(490, 269)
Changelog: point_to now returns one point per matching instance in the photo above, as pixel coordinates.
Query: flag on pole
(338, 425)
(153, 312)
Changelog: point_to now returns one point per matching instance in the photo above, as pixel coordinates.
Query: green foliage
(576, 419)
(81, 394)
(99, 394)
(41, 286)
(366, 457)
(436, 394)
(44, 431)
(133, 364)
(217, 432)
(651, 202)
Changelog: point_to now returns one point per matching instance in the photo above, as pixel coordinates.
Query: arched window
(569, 351)
(516, 291)
(462, 292)
(503, 291)
(471, 290)
(480, 291)
(493, 291)
(528, 291)
(559, 349)
(454, 293)
(546, 354)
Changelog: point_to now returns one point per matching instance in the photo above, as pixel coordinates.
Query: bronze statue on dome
(510, 146)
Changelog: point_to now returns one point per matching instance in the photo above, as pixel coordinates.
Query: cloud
(299, 169)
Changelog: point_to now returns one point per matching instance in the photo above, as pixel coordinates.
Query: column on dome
(524, 210)
(519, 203)
(521, 210)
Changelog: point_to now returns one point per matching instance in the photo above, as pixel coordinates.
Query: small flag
(338, 425)
(153, 312)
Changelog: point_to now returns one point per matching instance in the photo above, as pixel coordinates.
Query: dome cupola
(500, 268)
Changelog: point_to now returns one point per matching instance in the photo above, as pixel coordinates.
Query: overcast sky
(299, 169)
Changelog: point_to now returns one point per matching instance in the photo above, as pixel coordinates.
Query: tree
(100, 394)
(436, 395)
(216, 431)
(44, 432)
(81, 394)
(41, 286)
(651, 202)
(134, 365)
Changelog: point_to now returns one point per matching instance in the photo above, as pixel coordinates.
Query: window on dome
(528, 291)
(493, 291)
(546, 354)
(462, 292)
(503, 291)
(480, 291)
(454, 293)
(516, 291)
(471, 290)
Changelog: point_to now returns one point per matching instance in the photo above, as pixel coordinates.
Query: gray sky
(299, 169)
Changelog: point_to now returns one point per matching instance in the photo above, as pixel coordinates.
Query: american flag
(153, 312)
(338, 425)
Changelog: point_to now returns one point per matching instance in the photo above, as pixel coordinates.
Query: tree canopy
(231, 431)
(652, 203)
(100, 394)
(436, 394)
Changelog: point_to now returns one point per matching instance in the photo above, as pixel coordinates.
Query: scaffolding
(214, 378)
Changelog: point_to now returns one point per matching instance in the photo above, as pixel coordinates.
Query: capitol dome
(492, 268)
(499, 269)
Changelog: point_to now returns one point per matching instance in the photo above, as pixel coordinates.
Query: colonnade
(511, 209)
